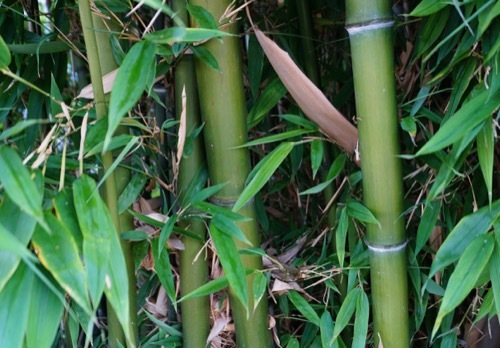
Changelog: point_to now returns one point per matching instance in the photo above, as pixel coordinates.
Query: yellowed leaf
(310, 99)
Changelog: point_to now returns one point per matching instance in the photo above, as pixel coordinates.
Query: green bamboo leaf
(335, 169)
(19, 127)
(168, 329)
(303, 307)
(272, 162)
(160, 5)
(165, 233)
(428, 7)
(5, 57)
(427, 223)
(326, 329)
(18, 225)
(259, 288)
(116, 142)
(131, 192)
(213, 210)
(300, 121)
(361, 321)
(465, 275)
(470, 115)
(485, 151)
(134, 235)
(495, 271)
(231, 264)
(117, 160)
(66, 214)
(228, 227)
(96, 226)
(19, 185)
(316, 156)
(58, 252)
(276, 137)
(203, 54)
(202, 16)
(117, 283)
(341, 235)
(293, 343)
(465, 231)
(270, 96)
(14, 307)
(346, 311)
(206, 193)
(45, 315)
(180, 34)
(42, 47)
(130, 82)
(207, 289)
(359, 212)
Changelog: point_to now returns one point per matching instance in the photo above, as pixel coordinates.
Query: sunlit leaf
(59, 254)
(130, 82)
(96, 226)
(271, 162)
(304, 307)
(465, 275)
(464, 232)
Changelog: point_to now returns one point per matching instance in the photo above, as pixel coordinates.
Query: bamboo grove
(225, 173)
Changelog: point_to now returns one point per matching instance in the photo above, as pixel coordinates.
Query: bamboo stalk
(223, 111)
(370, 29)
(101, 61)
(193, 264)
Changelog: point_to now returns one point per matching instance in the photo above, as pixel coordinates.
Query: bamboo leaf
(335, 169)
(19, 185)
(495, 271)
(428, 7)
(5, 57)
(19, 225)
(180, 34)
(270, 96)
(470, 115)
(58, 252)
(130, 82)
(485, 151)
(231, 263)
(341, 235)
(213, 210)
(427, 223)
(117, 284)
(228, 227)
(259, 288)
(359, 212)
(465, 275)
(309, 98)
(19, 127)
(202, 16)
(203, 54)
(117, 160)
(276, 137)
(465, 231)
(165, 233)
(361, 321)
(304, 307)
(168, 329)
(97, 227)
(131, 192)
(160, 5)
(14, 307)
(45, 315)
(206, 193)
(326, 329)
(272, 162)
(207, 289)
(346, 311)
(316, 156)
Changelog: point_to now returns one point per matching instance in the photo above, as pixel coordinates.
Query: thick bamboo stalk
(101, 61)
(193, 265)
(370, 28)
(223, 111)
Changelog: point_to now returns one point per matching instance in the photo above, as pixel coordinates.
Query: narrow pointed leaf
(4, 54)
(165, 233)
(228, 227)
(58, 252)
(259, 288)
(304, 307)
(427, 223)
(360, 212)
(495, 271)
(341, 235)
(465, 275)
(316, 156)
(361, 321)
(326, 329)
(96, 226)
(272, 162)
(274, 91)
(486, 153)
(179, 34)
(231, 263)
(309, 98)
(346, 311)
(130, 82)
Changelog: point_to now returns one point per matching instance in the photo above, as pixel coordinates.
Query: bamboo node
(387, 248)
(369, 26)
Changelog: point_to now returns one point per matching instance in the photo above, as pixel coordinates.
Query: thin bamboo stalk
(370, 29)
(223, 111)
(193, 265)
(101, 61)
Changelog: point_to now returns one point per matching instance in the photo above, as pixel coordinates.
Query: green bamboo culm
(193, 265)
(223, 111)
(370, 27)
(101, 61)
